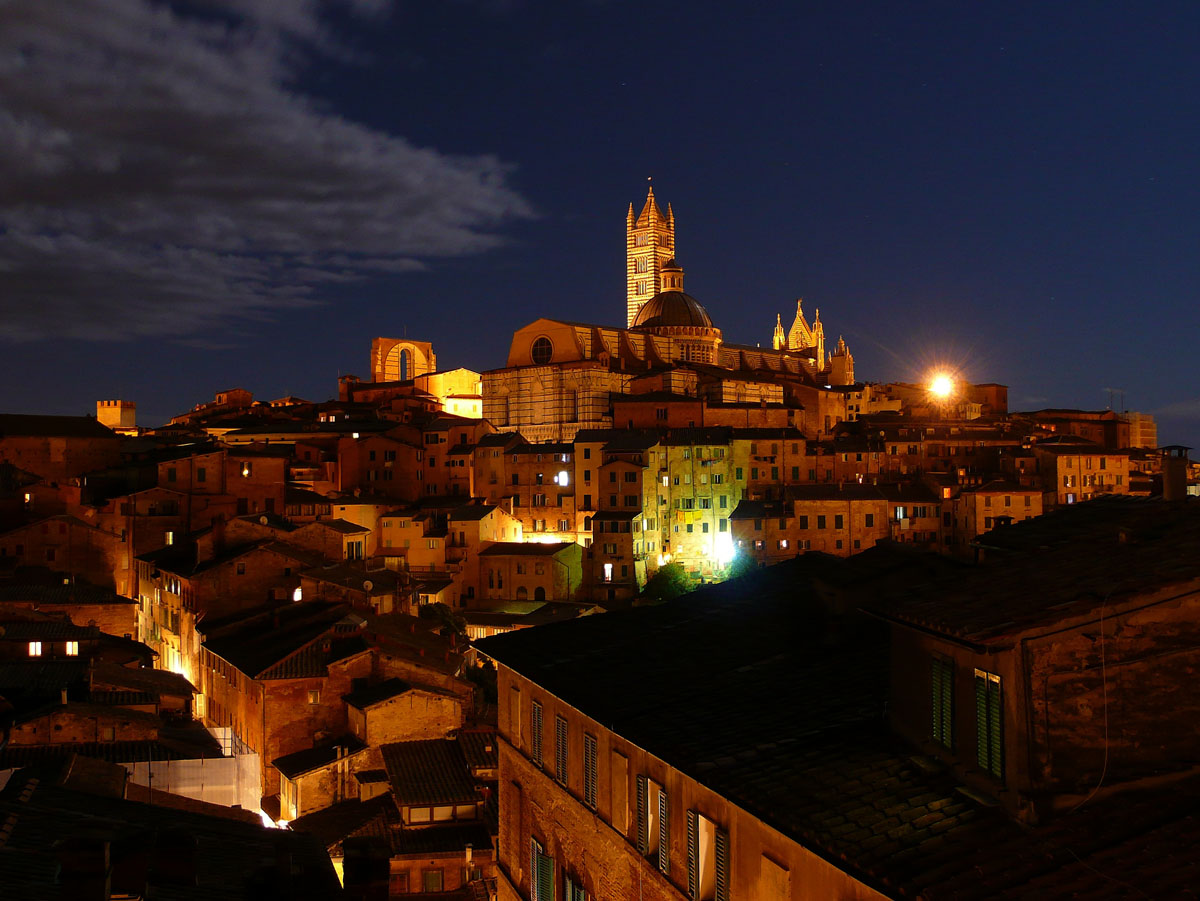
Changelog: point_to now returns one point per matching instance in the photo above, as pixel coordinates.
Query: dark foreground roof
(792, 729)
(233, 860)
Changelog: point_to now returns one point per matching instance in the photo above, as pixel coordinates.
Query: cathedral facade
(560, 375)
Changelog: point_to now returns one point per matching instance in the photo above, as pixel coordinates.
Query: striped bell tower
(649, 245)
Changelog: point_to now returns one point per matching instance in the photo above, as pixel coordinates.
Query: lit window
(72, 649)
(314, 696)
(169, 538)
(608, 572)
(35, 649)
(298, 594)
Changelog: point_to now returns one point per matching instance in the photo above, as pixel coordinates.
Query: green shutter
(942, 701)
(947, 703)
(693, 825)
(995, 739)
(981, 722)
(545, 882)
(722, 865)
(989, 722)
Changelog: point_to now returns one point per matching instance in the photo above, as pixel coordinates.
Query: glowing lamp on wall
(941, 385)
(723, 548)
(562, 479)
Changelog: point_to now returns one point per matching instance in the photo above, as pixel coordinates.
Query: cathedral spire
(779, 339)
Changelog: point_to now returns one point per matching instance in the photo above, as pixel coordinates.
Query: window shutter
(947, 703)
(722, 865)
(589, 770)
(994, 727)
(981, 721)
(535, 853)
(664, 833)
(535, 738)
(693, 826)
(545, 882)
(643, 831)
(560, 749)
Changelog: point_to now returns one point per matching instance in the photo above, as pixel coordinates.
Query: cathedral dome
(672, 308)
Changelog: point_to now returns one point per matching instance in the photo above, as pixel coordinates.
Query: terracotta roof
(21, 425)
(314, 758)
(376, 694)
(524, 548)
(429, 772)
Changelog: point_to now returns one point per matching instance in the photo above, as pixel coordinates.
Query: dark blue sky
(1011, 188)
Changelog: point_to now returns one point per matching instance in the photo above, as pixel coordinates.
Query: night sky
(196, 197)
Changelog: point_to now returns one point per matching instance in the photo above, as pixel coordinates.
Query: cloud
(1184, 409)
(162, 176)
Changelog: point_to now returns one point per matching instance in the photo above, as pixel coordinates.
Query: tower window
(542, 351)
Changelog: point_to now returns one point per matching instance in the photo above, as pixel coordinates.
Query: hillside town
(640, 614)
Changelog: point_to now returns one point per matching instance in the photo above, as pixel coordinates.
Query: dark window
(839, 521)
(870, 520)
(820, 522)
(542, 351)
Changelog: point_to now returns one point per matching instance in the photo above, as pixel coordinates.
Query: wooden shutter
(664, 832)
(942, 701)
(722, 865)
(560, 749)
(535, 854)
(981, 721)
(989, 723)
(995, 721)
(545, 882)
(589, 770)
(693, 830)
(643, 824)
(535, 729)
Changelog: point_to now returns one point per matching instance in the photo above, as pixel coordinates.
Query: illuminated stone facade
(398, 359)
(649, 246)
(561, 376)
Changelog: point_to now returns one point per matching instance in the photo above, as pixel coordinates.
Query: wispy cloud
(1184, 409)
(162, 176)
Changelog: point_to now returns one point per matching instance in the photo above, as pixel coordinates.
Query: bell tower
(649, 246)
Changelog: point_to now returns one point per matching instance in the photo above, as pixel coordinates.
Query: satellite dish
(368, 585)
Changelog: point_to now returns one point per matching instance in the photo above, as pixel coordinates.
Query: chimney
(1174, 472)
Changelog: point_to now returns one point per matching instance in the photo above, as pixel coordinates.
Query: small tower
(779, 339)
(649, 245)
(841, 365)
(818, 335)
(118, 415)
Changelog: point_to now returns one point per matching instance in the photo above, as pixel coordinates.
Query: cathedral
(651, 270)
(561, 375)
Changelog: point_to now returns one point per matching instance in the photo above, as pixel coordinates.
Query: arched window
(539, 594)
(405, 365)
(522, 593)
(542, 351)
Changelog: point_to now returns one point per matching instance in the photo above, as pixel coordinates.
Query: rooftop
(429, 772)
